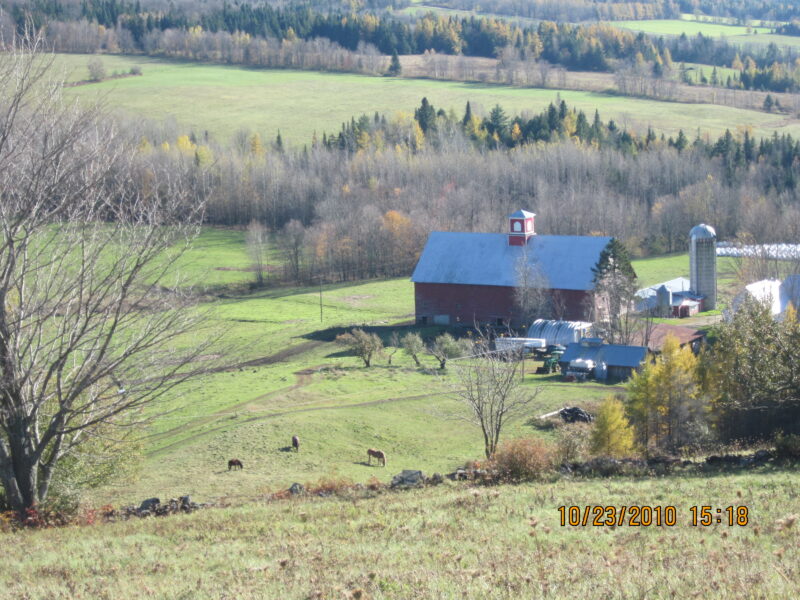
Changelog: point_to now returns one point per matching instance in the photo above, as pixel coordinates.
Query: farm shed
(672, 298)
(471, 277)
(620, 361)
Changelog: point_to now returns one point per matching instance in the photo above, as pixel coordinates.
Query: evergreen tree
(614, 288)
(681, 142)
(426, 116)
(467, 115)
(497, 122)
(395, 68)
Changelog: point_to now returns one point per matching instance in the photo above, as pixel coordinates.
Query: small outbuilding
(672, 298)
(612, 362)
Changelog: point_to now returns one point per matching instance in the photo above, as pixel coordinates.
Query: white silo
(703, 264)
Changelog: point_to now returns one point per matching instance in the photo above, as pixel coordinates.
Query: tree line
(361, 203)
(244, 34)
(498, 129)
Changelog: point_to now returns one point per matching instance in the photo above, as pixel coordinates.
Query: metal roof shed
(621, 361)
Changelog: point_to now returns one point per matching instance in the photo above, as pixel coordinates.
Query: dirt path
(303, 378)
(272, 358)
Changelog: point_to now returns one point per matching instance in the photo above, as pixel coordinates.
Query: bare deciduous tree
(256, 240)
(491, 390)
(532, 293)
(97, 72)
(93, 324)
(292, 240)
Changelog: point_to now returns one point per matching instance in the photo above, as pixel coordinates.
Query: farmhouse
(471, 277)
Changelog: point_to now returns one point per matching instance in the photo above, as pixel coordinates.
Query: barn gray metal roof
(487, 259)
(614, 355)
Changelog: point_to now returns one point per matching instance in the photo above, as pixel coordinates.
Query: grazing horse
(296, 443)
(379, 454)
(235, 463)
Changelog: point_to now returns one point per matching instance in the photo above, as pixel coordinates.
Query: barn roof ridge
(474, 258)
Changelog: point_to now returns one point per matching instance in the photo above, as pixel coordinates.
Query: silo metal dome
(703, 232)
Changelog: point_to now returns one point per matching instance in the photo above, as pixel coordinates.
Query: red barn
(471, 277)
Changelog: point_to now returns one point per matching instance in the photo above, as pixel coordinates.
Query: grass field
(764, 40)
(690, 28)
(447, 542)
(735, 34)
(292, 379)
(223, 99)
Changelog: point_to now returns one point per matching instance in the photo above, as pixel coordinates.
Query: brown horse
(235, 463)
(296, 443)
(379, 454)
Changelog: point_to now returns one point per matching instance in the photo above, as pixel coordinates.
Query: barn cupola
(520, 228)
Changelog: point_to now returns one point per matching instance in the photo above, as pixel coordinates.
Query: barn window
(517, 226)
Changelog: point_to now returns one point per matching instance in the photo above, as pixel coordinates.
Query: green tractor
(550, 364)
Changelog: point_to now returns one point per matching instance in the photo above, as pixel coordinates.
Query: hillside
(290, 378)
(225, 99)
(449, 542)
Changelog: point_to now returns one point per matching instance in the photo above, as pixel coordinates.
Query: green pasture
(764, 40)
(735, 34)
(690, 28)
(730, 21)
(280, 374)
(453, 541)
(224, 99)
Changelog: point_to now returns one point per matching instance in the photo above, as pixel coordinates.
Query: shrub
(136, 70)
(522, 459)
(543, 424)
(330, 486)
(97, 72)
(573, 443)
(787, 446)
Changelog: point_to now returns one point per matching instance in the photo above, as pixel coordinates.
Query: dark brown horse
(379, 454)
(235, 463)
(296, 443)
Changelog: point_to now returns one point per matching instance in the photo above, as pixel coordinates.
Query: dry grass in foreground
(447, 542)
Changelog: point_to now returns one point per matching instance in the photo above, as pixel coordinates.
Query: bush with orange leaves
(522, 459)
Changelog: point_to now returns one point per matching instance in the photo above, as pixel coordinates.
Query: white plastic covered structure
(560, 332)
